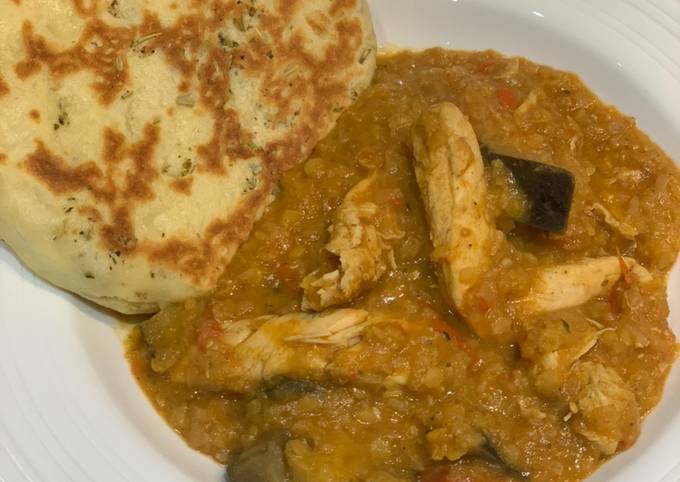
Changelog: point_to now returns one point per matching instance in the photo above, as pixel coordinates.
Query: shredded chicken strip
(604, 408)
(364, 250)
(554, 343)
(243, 353)
(241, 356)
(573, 284)
(450, 173)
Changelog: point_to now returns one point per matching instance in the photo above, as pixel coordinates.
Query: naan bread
(140, 139)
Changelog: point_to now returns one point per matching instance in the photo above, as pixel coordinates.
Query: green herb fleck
(113, 9)
(364, 55)
(239, 24)
(187, 168)
(137, 43)
(186, 100)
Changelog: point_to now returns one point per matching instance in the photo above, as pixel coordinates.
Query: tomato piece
(290, 276)
(435, 474)
(485, 67)
(625, 270)
(207, 330)
(138, 366)
(483, 304)
(507, 97)
(453, 335)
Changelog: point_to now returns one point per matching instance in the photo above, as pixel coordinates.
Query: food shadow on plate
(90, 310)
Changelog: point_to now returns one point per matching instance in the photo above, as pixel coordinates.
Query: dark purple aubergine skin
(548, 189)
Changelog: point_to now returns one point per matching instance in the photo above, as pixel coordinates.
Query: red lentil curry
(331, 350)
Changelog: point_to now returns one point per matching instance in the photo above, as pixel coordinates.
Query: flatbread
(140, 139)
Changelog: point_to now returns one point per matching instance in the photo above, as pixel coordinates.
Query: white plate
(71, 412)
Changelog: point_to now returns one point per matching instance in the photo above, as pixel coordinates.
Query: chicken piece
(554, 344)
(555, 365)
(242, 356)
(573, 284)
(361, 242)
(450, 173)
(604, 408)
(626, 230)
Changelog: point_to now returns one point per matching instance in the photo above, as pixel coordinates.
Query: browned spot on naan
(182, 186)
(113, 146)
(192, 257)
(4, 88)
(60, 178)
(340, 5)
(85, 8)
(107, 62)
(90, 213)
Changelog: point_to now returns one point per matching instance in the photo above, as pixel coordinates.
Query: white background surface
(69, 408)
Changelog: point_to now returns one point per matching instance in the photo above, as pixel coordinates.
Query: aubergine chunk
(262, 462)
(548, 189)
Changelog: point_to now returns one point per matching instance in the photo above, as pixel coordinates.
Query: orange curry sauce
(471, 409)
